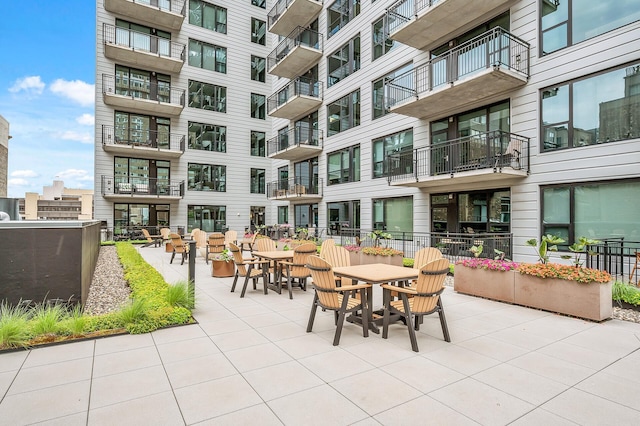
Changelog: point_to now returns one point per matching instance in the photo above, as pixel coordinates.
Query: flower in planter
(565, 272)
(489, 264)
(381, 251)
(225, 256)
(352, 247)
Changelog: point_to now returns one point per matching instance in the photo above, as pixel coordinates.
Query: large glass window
(340, 13)
(207, 218)
(208, 16)
(207, 96)
(306, 215)
(258, 31)
(207, 137)
(393, 214)
(143, 130)
(207, 56)
(258, 143)
(391, 144)
(142, 84)
(379, 95)
(568, 22)
(343, 166)
(258, 106)
(344, 61)
(381, 43)
(598, 109)
(306, 175)
(135, 215)
(207, 177)
(258, 181)
(343, 114)
(344, 214)
(283, 214)
(258, 68)
(142, 38)
(259, 3)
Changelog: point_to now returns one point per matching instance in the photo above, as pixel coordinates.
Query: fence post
(192, 269)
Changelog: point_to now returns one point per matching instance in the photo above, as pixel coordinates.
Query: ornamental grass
(565, 272)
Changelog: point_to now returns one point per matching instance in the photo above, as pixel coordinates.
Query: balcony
(488, 159)
(128, 189)
(426, 24)
(476, 73)
(294, 55)
(296, 144)
(299, 97)
(142, 143)
(142, 96)
(286, 15)
(143, 51)
(165, 14)
(295, 189)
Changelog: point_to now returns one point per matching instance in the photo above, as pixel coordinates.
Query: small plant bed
(626, 296)
(153, 304)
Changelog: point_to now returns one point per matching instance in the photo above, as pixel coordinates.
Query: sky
(47, 91)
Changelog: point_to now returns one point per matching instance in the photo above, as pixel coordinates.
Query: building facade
(57, 203)
(4, 155)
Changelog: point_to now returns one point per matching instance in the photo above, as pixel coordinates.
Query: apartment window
(283, 214)
(207, 56)
(344, 214)
(379, 95)
(306, 175)
(142, 84)
(207, 137)
(591, 210)
(207, 218)
(597, 109)
(381, 42)
(256, 216)
(208, 16)
(393, 214)
(258, 68)
(258, 106)
(259, 3)
(340, 13)
(391, 144)
(258, 31)
(306, 215)
(344, 61)
(142, 130)
(207, 96)
(207, 177)
(142, 38)
(258, 181)
(343, 114)
(568, 22)
(258, 143)
(126, 215)
(343, 166)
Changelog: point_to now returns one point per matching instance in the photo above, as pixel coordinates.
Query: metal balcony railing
(298, 37)
(294, 187)
(175, 6)
(161, 92)
(295, 137)
(301, 86)
(401, 12)
(144, 138)
(143, 42)
(141, 186)
(492, 150)
(495, 48)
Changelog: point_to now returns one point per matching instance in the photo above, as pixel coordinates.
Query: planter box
(222, 269)
(354, 258)
(496, 285)
(366, 259)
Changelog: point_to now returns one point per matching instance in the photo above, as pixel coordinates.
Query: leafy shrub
(14, 328)
(623, 292)
(408, 262)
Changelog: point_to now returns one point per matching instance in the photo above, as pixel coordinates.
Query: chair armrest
(399, 289)
(353, 287)
(255, 262)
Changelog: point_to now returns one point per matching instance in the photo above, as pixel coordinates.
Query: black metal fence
(618, 256)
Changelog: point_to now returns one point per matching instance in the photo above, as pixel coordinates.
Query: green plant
(579, 249)
(46, 318)
(14, 328)
(547, 243)
(564, 272)
(381, 251)
(75, 322)
(500, 255)
(378, 236)
(624, 292)
(225, 255)
(451, 268)
(181, 294)
(408, 262)
(134, 311)
(476, 250)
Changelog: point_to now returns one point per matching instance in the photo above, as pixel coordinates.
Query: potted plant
(222, 264)
(490, 278)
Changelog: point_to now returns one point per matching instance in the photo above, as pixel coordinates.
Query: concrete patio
(250, 361)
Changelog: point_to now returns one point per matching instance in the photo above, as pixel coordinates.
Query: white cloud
(76, 90)
(18, 182)
(32, 85)
(86, 119)
(75, 174)
(71, 135)
(23, 173)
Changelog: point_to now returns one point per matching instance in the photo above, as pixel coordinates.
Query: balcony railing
(403, 11)
(294, 12)
(296, 137)
(161, 92)
(143, 138)
(495, 49)
(143, 42)
(301, 86)
(492, 150)
(294, 187)
(300, 37)
(141, 187)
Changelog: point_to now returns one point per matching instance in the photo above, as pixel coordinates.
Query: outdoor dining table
(375, 273)
(276, 256)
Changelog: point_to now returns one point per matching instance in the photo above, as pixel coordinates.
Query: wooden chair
(265, 244)
(230, 237)
(215, 244)
(297, 269)
(249, 269)
(151, 239)
(337, 256)
(426, 300)
(201, 242)
(165, 234)
(326, 244)
(250, 243)
(338, 299)
(194, 232)
(426, 255)
(178, 247)
(634, 271)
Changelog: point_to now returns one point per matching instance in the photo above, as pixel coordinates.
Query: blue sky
(47, 77)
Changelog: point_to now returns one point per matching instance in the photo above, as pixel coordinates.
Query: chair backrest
(178, 245)
(426, 255)
(147, 235)
(300, 256)
(238, 259)
(201, 239)
(326, 244)
(216, 242)
(231, 237)
(337, 256)
(194, 232)
(430, 281)
(164, 233)
(323, 279)
(265, 244)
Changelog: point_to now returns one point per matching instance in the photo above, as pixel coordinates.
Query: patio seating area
(251, 361)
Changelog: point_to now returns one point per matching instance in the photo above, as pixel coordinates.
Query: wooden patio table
(276, 256)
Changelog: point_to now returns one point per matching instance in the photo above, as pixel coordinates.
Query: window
(597, 109)
(568, 22)
(141, 84)
(207, 218)
(208, 16)
(256, 215)
(380, 40)
(207, 137)
(258, 143)
(144, 39)
(343, 62)
(125, 215)
(142, 130)
(283, 214)
(379, 95)
(345, 214)
(207, 96)
(340, 13)
(306, 176)
(207, 177)
(343, 166)
(259, 3)
(343, 114)
(258, 68)
(258, 107)
(258, 31)
(258, 181)
(306, 215)
(392, 144)
(207, 56)
(591, 210)
(393, 214)
(143, 176)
